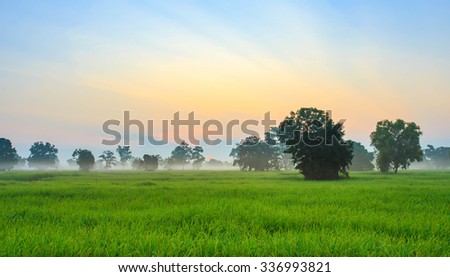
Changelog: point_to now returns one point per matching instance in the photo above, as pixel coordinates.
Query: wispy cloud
(80, 64)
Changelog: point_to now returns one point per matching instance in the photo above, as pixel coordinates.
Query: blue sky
(67, 66)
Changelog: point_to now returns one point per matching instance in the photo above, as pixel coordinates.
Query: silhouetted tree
(397, 144)
(169, 163)
(43, 155)
(316, 143)
(84, 159)
(150, 162)
(362, 159)
(8, 155)
(255, 154)
(137, 163)
(109, 159)
(439, 157)
(124, 154)
(197, 157)
(214, 163)
(181, 155)
(161, 161)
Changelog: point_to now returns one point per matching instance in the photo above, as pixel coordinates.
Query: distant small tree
(124, 154)
(181, 155)
(169, 163)
(197, 157)
(150, 162)
(362, 159)
(84, 159)
(161, 161)
(109, 159)
(439, 157)
(43, 155)
(255, 154)
(8, 155)
(214, 163)
(71, 162)
(137, 163)
(397, 144)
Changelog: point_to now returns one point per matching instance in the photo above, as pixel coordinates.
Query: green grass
(223, 213)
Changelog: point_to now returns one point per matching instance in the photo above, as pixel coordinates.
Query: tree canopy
(43, 155)
(197, 157)
(397, 144)
(108, 158)
(316, 143)
(8, 155)
(439, 157)
(362, 159)
(181, 155)
(255, 154)
(150, 162)
(84, 159)
(124, 154)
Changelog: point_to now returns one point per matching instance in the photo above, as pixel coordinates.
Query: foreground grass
(223, 213)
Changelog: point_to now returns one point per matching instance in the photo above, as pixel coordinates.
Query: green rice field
(223, 213)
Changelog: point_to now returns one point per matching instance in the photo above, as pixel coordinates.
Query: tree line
(307, 140)
(44, 156)
(316, 146)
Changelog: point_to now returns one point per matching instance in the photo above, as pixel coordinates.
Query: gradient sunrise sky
(68, 66)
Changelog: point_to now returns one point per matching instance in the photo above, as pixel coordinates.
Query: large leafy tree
(43, 155)
(255, 154)
(197, 157)
(108, 158)
(8, 155)
(181, 155)
(84, 159)
(362, 159)
(316, 143)
(124, 154)
(439, 157)
(397, 144)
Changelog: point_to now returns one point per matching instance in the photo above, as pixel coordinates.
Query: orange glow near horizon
(222, 64)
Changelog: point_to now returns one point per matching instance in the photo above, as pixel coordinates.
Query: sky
(66, 67)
